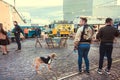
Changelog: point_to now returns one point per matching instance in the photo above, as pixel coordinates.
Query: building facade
(73, 9)
(96, 8)
(97, 3)
(106, 8)
(8, 15)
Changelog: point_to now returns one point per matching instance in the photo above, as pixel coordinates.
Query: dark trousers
(105, 50)
(18, 42)
(83, 50)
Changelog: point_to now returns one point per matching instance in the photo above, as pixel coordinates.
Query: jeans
(83, 50)
(18, 42)
(105, 49)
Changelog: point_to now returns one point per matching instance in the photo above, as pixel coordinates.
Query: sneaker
(80, 71)
(99, 71)
(87, 71)
(107, 71)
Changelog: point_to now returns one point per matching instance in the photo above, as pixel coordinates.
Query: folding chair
(49, 42)
(38, 41)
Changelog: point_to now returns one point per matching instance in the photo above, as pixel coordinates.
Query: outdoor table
(56, 40)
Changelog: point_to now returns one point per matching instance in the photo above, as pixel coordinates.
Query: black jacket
(107, 34)
(17, 30)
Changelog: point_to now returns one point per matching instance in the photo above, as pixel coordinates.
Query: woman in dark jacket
(3, 40)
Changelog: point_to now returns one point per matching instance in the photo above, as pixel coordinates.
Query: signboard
(64, 26)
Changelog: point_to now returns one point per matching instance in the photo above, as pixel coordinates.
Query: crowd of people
(82, 41)
(105, 36)
(18, 34)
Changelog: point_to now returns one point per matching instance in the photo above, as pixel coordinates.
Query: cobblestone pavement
(18, 65)
(115, 74)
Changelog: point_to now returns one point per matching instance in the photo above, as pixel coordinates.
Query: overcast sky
(36, 3)
(43, 11)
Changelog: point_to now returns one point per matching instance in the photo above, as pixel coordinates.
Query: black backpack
(84, 35)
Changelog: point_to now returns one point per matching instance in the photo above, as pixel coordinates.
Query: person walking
(82, 42)
(106, 35)
(4, 41)
(17, 30)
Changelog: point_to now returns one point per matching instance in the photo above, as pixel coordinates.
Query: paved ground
(115, 74)
(18, 65)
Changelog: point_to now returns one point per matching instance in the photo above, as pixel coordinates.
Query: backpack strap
(82, 35)
(83, 32)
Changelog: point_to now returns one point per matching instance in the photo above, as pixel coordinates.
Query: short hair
(84, 19)
(15, 22)
(108, 20)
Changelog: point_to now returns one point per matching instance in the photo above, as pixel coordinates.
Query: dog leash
(70, 53)
(66, 56)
